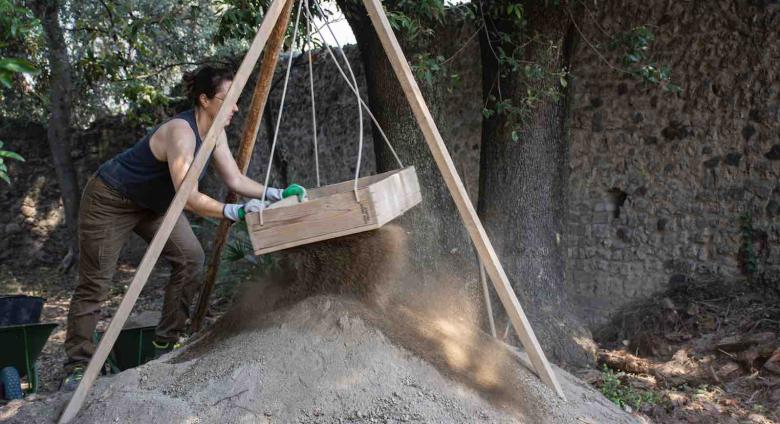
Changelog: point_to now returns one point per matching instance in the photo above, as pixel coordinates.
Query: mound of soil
(321, 360)
(338, 340)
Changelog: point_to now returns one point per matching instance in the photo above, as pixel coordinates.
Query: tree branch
(471, 38)
(595, 50)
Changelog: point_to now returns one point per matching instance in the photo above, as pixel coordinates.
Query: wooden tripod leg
(172, 214)
(459, 195)
(248, 137)
(486, 295)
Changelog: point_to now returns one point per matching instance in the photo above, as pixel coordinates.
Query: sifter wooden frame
(333, 211)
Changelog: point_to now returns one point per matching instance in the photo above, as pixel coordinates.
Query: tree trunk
(439, 248)
(58, 131)
(523, 183)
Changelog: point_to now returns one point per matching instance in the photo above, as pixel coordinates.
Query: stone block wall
(659, 181)
(338, 124)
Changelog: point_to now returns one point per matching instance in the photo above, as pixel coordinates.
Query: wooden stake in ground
(248, 137)
(172, 214)
(470, 219)
(486, 295)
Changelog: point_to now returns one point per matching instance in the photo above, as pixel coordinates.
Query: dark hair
(205, 80)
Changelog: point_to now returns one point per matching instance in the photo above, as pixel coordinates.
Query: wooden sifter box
(332, 211)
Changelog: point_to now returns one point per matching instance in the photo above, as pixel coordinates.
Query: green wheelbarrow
(21, 346)
(23, 339)
(132, 348)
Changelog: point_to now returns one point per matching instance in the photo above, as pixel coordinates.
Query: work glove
(237, 212)
(275, 194)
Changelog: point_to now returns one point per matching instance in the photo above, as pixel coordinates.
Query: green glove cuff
(241, 213)
(294, 190)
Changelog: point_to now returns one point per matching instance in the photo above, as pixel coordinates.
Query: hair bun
(204, 80)
(188, 83)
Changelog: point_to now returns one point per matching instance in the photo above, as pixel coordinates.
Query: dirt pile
(319, 361)
(322, 345)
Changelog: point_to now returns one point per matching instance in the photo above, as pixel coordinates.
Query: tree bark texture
(58, 131)
(523, 183)
(439, 246)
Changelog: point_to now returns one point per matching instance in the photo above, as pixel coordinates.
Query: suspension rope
(365, 106)
(310, 45)
(354, 87)
(357, 96)
(281, 108)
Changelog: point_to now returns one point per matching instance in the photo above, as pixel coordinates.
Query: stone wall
(659, 180)
(337, 123)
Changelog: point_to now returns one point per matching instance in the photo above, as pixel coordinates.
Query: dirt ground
(703, 352)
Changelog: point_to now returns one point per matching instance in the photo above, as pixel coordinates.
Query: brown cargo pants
(106, 219)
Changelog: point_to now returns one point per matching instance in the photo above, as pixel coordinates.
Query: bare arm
(228, 170)
(180, 152)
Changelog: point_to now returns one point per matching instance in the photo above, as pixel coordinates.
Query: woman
(131, 192)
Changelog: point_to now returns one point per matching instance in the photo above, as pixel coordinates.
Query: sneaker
(161, 348)
(72, 380)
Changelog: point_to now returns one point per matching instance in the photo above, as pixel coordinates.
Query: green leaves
(9, 67)
(126, 55)
(427, 67)
(239, 20)
(239, 247)
(15, 24)
(237, 250)
(515, 11)
(415, 19)
(620, 393)
(17, 65)
(636, 46)
(7, 154)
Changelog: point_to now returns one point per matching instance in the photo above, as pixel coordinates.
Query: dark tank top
(140, 177)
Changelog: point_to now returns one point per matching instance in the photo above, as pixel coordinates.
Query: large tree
(58, 126)
(524, 164)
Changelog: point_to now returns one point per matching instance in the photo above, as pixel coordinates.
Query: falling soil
(343, 337)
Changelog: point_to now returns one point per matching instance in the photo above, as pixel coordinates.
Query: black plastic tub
(20, 309)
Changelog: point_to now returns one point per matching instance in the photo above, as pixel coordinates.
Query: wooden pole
(486, 294)
(172, 214)
(248, 137)
(470, 219)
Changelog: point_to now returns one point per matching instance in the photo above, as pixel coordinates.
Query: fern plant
(7, 154)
